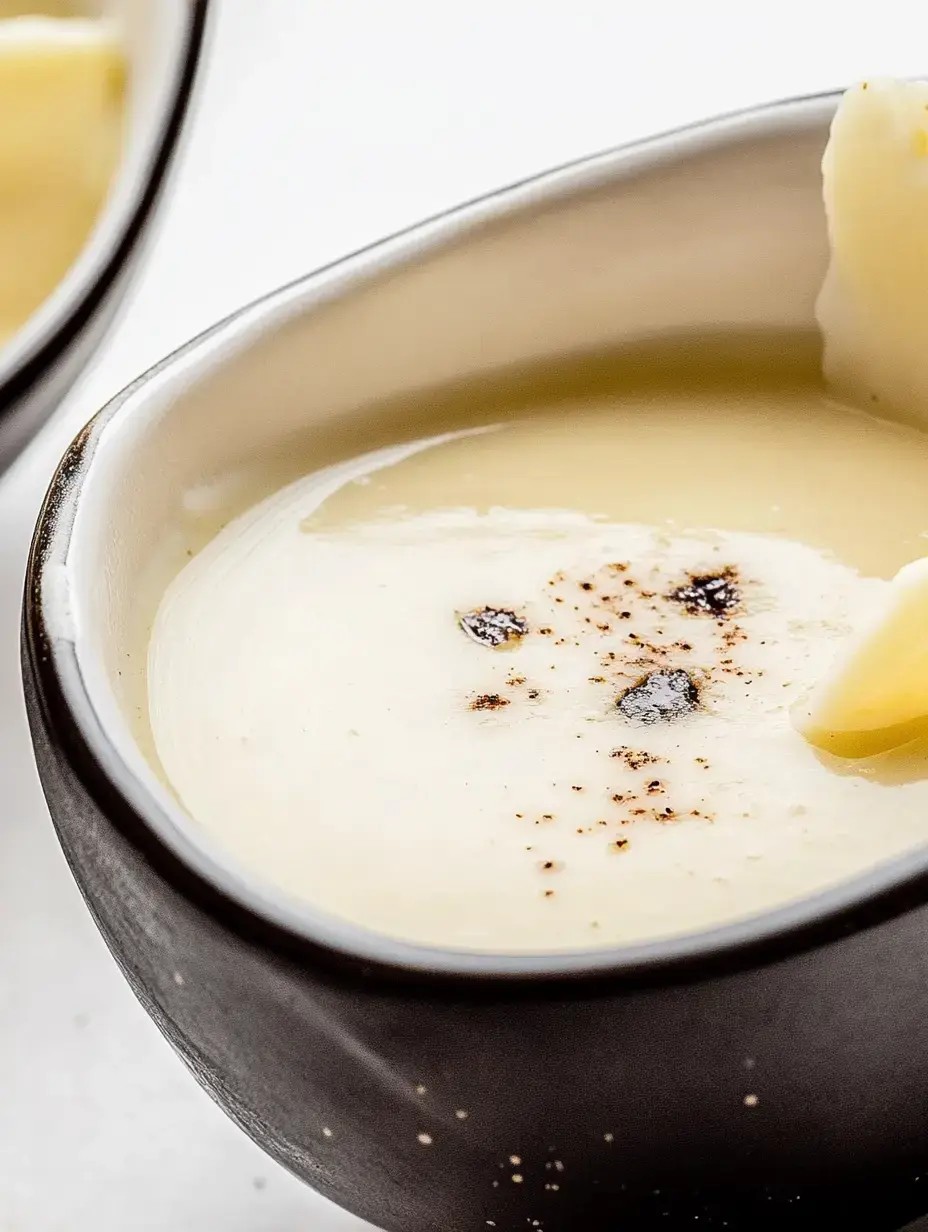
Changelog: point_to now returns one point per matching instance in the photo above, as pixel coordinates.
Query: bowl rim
(41, 341)
(204, 874)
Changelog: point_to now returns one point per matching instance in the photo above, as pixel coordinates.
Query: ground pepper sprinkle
(489, 701)
(709, 594)
(659, 697)
(493, 626)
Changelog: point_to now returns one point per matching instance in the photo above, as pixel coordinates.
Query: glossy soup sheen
(518, 675)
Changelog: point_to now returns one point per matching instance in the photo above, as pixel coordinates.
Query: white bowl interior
(155, 33)
(719, 228)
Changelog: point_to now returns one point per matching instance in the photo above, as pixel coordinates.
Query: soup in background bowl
(94, 94)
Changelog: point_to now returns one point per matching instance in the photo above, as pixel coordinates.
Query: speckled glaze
(770, 1074)
(39, 367)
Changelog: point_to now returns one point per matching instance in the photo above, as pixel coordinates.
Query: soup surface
(62, 98)
(524, 683)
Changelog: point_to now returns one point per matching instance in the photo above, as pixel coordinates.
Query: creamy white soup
(527, 686)
(525, 683)
(62, 99)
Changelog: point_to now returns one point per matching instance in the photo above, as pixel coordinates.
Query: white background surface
(321, 125)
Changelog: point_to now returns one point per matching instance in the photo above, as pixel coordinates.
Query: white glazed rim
(889, 890)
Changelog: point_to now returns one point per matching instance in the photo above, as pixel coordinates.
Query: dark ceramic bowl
(768, 1074)
(40, 363)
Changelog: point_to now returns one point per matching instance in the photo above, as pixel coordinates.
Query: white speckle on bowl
(751, 1101)
(517, 1178)
(461, 1114)
(57, 611)
(326, 1132)
(425, 1139)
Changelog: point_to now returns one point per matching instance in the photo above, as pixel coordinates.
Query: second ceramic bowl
(39, 364)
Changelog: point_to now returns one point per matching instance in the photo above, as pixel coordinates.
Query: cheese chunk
(876, 696)
(873, 311)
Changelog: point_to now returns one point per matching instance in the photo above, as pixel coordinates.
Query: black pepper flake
(489, 701)
(493, 627)
(620, 844)
(659, 696)
(712, 594)
(635, 759)
(586, 585)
